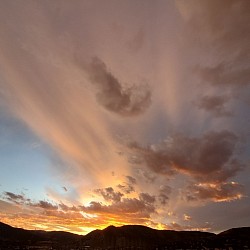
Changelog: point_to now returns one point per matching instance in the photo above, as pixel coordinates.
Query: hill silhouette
(125, 237)
(11, 236)
(138, 236)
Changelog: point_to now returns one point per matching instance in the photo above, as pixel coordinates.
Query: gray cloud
(45, 205)
(131, 206)
(20, 199)
(131, 180)
(136, 43)
(148, 176)
(210, 157)
(215, 105)
(126, 188)
(164, 193)
(113, 96)
(147, 198)
(225, 74)
(109, 194)
(220, 31)
(163, 199)
(16, 198)
(220, 192)
(66, 208)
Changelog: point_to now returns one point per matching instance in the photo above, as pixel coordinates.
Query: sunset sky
(125, 112)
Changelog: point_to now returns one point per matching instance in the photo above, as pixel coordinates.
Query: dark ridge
(242, 233)
(125, 237)
(18, 238)
(140, 237)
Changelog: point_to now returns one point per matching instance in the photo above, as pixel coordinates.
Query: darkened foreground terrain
(126, 237)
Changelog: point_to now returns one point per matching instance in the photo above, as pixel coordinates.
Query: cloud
(187, 217)
(126, 188)
(125, 101)
(209, 157)
(148, 176)
(136, 43)
(18, 199)
(109, 194)
(127, 206)
(118, 212)
(226, 191)
(131, 180)
(224, 74)
(164, 193)
(67, 208)
(219, 32)
(214, 104)
(45, 205)
(147, 198)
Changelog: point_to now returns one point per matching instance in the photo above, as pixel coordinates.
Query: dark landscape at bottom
(125, 237)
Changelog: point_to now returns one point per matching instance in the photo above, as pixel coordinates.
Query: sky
(125, 112)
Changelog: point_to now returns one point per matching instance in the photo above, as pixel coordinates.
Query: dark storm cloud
(210, 157)
(220, 192)
(113, 96)
(215, 105)
(109, 194)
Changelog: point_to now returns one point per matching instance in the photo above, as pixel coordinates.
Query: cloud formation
(16, 198)
(45, 205)
(129, 185)
(109, 194)
(208, 158)
(226, 191)
(220, 32)
(112, 95)
(215, 105)
(164, 193)
(80, 108)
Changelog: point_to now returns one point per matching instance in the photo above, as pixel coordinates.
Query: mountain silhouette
(124, 237)
(138, 236)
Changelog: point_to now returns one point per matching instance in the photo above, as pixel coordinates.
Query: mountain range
(125, 237)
